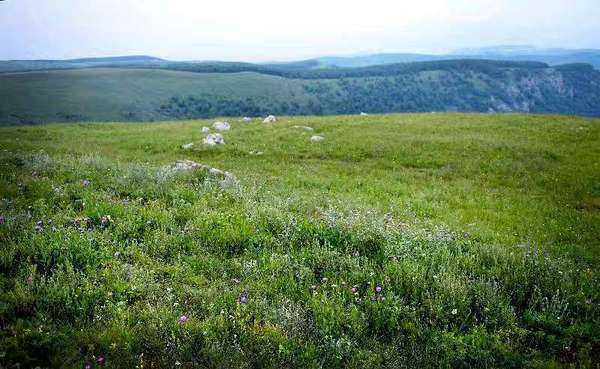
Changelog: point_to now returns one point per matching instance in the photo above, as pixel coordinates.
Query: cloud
(268, 29)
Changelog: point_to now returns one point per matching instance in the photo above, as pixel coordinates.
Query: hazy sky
(261, 30)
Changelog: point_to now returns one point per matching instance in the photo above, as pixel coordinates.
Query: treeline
(309, 70)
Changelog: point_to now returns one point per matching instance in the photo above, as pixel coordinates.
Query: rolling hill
(166, 90)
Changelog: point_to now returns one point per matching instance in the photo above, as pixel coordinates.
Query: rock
(255, 152)
(363, 114)
(189, 165)
(205, 129)
(246, 119)
(221, 126)
(317, 138)
(214, 139)
(270, 119)
(187, 146)
(185, 165)
(306, 128)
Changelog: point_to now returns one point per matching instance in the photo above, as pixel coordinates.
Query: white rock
(214, 139)
(270, 119)
(221, 126)
(306, 128)
(363, 114)
(246, 119)
(185, 165)
(205, 129)
(317, 138)
(255, 152)
(188, 165)
(187, 146)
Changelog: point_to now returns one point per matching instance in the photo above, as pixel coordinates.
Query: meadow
(400, 240)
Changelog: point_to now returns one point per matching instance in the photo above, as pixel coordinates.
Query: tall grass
(131, 265)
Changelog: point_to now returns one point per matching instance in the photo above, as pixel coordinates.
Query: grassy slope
(512, 178)
(106, 94)
(506, 180)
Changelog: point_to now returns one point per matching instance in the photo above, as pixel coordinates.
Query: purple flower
(243, 299)
(88, 366)
(101, 360)
(2, 219)
(183, 319)
(354, 289)
(378, 289)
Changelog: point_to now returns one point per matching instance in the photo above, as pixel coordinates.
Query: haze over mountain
(552, 56)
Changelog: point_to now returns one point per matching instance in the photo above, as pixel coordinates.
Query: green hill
(199, 90)
(404, 240)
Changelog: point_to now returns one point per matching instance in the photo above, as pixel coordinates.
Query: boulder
(363, 114)
(270, 119)
(188, 165)
(214, 139)
(317, 138)
(221, 126)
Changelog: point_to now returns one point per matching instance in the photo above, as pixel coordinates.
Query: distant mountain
(180, 90)
(511, 53)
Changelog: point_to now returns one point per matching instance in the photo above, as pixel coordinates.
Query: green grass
(482, 231)
(103, 94)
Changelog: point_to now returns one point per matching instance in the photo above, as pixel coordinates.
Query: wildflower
(117, 254)
(324, 279)
(354, 290)
(378, 289)
(101, 360)
(235, 280)
(2, 219)
(105, 220)
(454, 311)
(183, 319)
(85, 183)
(88, 366)
(243, 299)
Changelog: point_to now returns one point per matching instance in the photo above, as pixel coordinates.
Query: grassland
(105, 94)
(431, 240)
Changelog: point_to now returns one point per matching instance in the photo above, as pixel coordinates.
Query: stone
(205, 129)
(221, 126)
(306, 128)
(363, 114)
(317, 138)
(246, 119)
(187, 146)
(214, 139)
(270, 119)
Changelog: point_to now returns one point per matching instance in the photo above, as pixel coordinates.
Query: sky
(269, 30)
